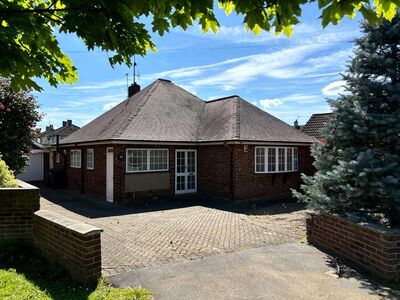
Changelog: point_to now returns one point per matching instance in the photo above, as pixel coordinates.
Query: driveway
(192, 250)
(139, 237)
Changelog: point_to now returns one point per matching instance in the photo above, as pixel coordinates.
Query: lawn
(24, 274)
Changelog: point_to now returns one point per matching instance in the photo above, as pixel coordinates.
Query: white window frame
(147, 162)
(72, 161)
(87, 161)
(266, 149)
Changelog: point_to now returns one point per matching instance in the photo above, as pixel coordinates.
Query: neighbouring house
(49, 136)
(164, 141)
(315, 124)
(35, 169)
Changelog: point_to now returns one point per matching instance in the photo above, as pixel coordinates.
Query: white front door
(110, 174)
(185, 171)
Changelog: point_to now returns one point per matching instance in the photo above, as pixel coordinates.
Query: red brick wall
(249, 185)
(17, 206)
(214, 170)
(77, 250)
(94, 181)
(213, 175)
(373, 250)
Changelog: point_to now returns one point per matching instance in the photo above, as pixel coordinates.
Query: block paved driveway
(138, 237)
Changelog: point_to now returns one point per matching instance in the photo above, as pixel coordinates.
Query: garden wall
(373, 249)
(72, 244)
(17, 206)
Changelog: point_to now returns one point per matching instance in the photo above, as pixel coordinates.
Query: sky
(290, 78)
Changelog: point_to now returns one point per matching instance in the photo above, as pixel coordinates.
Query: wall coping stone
(69, 223)
(22, 185)
(379, 228)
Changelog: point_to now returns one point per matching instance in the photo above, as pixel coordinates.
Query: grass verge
(24, 274)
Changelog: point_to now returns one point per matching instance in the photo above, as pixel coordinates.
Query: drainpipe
(82, 174)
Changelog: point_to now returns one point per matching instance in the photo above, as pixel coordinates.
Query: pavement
(284, 271)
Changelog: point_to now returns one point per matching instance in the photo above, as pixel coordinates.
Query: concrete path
(285, 271)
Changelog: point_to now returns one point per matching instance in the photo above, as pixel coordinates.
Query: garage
(34, 171)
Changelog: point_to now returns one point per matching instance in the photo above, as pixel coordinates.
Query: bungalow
(163, 141)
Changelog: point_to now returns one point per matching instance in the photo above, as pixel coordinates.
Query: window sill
(145, 172)
(280, 172)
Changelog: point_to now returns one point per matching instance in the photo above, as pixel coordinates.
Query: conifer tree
(358, 165)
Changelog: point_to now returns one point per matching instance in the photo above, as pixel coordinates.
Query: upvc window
(75, 159)
(276, 159)
(146, 160)
(90, 159)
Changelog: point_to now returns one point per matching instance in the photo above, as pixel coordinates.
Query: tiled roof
(315, 124)
(65, 130)
(164, 112)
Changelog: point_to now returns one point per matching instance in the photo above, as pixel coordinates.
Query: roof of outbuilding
(315, 124)
(164, 112)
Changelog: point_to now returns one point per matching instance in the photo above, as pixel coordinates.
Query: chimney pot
(51, 127)
(69, 122)
(296, 124)
(133, 89)
(47, 128)
(64, 123)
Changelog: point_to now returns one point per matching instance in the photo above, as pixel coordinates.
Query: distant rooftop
(315, 124)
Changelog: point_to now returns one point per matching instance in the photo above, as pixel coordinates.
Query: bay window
(276, 159)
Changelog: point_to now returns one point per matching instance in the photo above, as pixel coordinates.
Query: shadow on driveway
(92, 208)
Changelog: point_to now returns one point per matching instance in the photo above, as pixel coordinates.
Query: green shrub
(7, 178)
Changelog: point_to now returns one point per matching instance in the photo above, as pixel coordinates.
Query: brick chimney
(296, 124)
(69, 122)
(64, 123)
(133, 89)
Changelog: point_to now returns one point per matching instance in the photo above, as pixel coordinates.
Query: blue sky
(289, 78)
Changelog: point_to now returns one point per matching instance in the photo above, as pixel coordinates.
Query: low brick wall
(74, 245)
(17, 206)
(371, 248)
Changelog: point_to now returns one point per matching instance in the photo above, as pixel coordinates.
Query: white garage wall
(33, 172)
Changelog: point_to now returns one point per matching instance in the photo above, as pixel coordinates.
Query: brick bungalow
(163, 141)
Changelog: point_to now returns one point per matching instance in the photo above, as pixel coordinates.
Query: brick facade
(222, 171)
(17, 206)
(251, 185)
(374, 250)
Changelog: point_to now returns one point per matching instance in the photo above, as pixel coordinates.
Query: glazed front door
(185, 171)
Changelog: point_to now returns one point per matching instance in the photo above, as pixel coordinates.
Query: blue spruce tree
(358, 166)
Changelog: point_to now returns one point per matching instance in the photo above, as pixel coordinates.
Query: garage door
(33, 172)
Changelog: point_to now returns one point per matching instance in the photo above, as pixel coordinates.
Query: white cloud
(110, 105)
(266, 103)
(334, 88)
(298, 98)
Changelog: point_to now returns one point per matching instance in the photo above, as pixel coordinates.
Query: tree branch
(48, 10)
